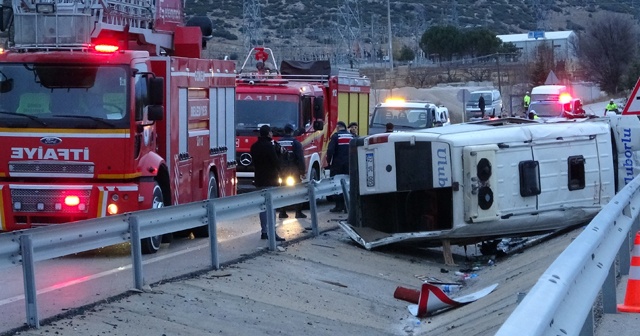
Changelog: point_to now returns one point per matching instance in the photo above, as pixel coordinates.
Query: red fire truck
(309, 95)
(106, 107)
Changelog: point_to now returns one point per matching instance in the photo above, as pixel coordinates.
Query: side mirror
(156, 91)
(155, 112)
(318, 125)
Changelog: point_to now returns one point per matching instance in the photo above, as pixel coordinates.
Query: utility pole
(499, 75)
(390, 38)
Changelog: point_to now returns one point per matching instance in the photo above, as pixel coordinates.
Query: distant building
(562, 42)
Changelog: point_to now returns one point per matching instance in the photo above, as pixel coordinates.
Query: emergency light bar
(105, 48)
(564, 98)
(395, 100)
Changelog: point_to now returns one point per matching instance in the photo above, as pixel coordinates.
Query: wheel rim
(156, 203)
(213, 188)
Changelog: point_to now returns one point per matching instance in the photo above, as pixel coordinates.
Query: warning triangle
(552, 79)
(633, 103)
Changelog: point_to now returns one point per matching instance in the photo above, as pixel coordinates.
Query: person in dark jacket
(338, 158)
(292, 165)
(267, 169)
(481, 105)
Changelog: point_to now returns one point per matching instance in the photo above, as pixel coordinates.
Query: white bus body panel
(466, 214)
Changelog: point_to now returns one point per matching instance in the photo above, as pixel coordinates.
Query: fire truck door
(183, 162)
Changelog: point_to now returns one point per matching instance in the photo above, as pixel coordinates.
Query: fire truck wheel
(203, 231)
(152, 244)
(315, 174)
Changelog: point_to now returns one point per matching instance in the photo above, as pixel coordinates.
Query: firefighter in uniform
(338, 159)
(611, 107)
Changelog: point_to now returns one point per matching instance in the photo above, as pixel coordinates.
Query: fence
(28, 246)
(561, 302)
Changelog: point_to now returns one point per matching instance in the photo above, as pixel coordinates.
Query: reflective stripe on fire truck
(176, 180)
(69, 133)
(103, 196)
(119, 176)
(2, 224)
(313, 136)
(203, 74)
(50, 187)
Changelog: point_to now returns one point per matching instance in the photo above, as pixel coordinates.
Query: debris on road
(432, 299)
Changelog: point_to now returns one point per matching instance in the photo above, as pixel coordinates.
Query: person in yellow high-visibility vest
(611, 107)
(526, 101)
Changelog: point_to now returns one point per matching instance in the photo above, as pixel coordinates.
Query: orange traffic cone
(632, 297)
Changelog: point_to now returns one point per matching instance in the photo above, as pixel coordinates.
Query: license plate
(371, 181)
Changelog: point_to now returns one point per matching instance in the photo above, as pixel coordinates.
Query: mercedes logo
(245, 159)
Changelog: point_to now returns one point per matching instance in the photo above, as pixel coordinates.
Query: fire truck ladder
(72, 24)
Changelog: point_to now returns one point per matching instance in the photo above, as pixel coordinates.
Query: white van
(554, 101)
(548, 92)
(492, 104)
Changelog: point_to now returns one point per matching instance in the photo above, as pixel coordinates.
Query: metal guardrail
(25, 247)
(561, 302)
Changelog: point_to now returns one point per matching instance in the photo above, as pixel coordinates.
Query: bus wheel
(212, 190)
(152, 244)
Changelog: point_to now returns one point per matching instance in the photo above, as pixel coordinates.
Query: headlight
(290, 181)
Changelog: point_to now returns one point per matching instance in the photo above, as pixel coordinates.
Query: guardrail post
(271, 220)
(609, 299)
(28, 270)
(588, 329)
(624, 253)
(213, 234)
(345, 194)
(313, 207)
(136, 252)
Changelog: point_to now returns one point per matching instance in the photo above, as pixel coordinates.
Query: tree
(607, 48)
(542, 65)
(631, 77)
(480, 42)
(406, 54)
(445, 41)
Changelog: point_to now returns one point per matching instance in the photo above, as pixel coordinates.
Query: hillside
(313, 27)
